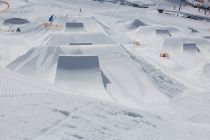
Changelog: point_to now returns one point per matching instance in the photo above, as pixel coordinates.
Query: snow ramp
(176, 45)
(74, 27)
(134, 24)
(206, 71)
(82, 74)
(38, 63)
(190, 48)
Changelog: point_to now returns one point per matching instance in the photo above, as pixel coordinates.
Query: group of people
(205, 10)
(180, 5)
(17, 30)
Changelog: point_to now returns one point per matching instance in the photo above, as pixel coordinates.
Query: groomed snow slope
(123, 43)
(47, 115)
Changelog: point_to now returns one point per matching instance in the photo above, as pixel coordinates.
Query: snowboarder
(18, 30)
(51, 19)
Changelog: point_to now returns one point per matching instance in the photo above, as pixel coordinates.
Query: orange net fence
(53, 26)
(164, 55)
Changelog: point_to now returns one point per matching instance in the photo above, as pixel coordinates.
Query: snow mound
(135, 24)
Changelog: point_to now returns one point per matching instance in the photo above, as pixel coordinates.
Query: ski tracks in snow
(167, 85)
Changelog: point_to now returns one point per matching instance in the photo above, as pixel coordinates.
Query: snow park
(104, 70)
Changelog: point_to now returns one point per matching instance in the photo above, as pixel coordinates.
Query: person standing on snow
(51, 20)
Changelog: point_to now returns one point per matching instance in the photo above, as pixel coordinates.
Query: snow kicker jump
(78, 62)
(81, 73)
(74, 27)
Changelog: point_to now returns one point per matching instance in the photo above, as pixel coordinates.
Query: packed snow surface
(104, 70)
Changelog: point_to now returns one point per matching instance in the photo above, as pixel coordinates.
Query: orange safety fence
(164, 55)
(136, 44)
(53, 26)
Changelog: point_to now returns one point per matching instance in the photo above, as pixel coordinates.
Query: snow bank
(134, 24)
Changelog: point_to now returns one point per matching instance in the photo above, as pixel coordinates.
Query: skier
(180, 7)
